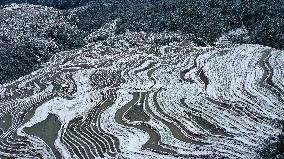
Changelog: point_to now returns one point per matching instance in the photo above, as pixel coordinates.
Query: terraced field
(103, 93)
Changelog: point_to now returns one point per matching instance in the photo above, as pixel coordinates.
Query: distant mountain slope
(205, 19)
(30, 35)
(61, 4)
